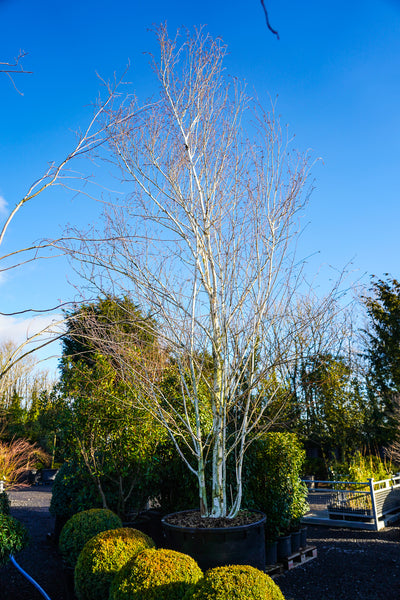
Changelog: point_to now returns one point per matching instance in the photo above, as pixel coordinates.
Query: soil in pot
(217, 542)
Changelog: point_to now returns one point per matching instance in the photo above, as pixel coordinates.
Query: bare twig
(89, 140)
(11, 68)
(267, 20)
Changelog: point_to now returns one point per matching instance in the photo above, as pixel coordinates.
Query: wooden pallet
(300, 558)
(292, 561)
(273, 570)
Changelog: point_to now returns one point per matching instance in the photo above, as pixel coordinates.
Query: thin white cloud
(46, 328)
(3, 206)
(19, 331)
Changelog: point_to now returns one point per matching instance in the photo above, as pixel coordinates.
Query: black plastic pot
(48, 476)
(284, 546)
(271, 552)
(149, 522)
(69, 582)
(59, 523)
(218, 546)
(295, 538)
(303, 537)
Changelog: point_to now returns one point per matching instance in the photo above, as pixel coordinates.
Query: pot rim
(164, 522)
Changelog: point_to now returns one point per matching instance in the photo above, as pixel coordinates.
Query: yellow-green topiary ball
(234, 583)
(156, 575)
(102, 557)
(81, 528)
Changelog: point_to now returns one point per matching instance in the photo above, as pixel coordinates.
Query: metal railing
(366, 505)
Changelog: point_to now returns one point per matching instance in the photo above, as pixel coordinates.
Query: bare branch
(56, 174)
(267, 20)
(14, 68)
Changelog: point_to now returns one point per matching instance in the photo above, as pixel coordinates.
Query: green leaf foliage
(362, 467)
(106, 430)
(170, 482)
(235, 583)
(4, 504)
(335, 408)
(156, 575)
(13, 537)
(118, 316)
(102, 557)
(73, 491)
(273, 485)
(383, 353)
(383, 308)
(81, 528)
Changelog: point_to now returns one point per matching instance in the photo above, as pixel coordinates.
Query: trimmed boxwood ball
(235, 582)
(81, 528)
(102, 557)
(156, 575)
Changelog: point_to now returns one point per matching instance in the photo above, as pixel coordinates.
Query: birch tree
(203, 241)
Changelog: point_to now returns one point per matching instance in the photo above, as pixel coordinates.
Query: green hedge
(272, 481)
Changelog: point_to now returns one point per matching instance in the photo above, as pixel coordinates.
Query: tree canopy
(383, 352)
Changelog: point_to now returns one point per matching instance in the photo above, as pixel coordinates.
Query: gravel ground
(40, 559)
(351, 564)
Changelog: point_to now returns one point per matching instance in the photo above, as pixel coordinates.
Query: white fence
(368, 505)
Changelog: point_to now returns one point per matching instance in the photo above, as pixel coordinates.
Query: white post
(1, 486)
(372, 492)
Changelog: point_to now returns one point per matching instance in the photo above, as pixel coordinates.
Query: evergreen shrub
(272, 481)
(102, 557)
(81, 528)
(362, 467)
(4, 504)
(13, 537)
(239, 581)
(72, 492)
(171, 483)
(156, 575)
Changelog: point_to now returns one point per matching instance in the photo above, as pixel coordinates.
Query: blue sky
(335, 75)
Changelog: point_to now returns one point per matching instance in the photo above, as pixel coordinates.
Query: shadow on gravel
(351, 564)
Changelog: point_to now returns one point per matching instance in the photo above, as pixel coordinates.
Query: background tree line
(338, 402)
